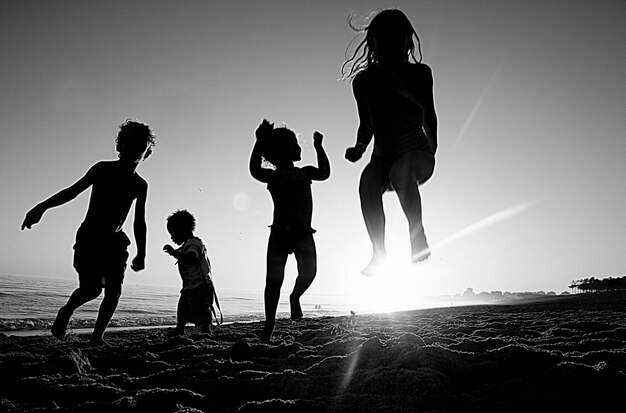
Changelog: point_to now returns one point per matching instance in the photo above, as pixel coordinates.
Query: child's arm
(430, 115)
(256, 170)
(62, 197)
(187, 257)
(140, 229)
(322, 172)
(364, 133)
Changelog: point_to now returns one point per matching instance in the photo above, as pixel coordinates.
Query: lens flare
(241, 201)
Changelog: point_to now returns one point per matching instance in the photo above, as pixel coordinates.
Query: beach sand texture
(561, 354)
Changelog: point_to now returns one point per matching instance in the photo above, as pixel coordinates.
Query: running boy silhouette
(291, 232)
(100, 251)
(196, 296)
(394, 99)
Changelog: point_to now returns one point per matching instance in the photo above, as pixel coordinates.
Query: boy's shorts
(100, 259)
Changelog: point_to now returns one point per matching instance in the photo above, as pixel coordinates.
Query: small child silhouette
(196, 297)
(100, 251)
(394, 99)
(291, 232)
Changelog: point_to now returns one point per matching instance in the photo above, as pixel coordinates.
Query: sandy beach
(563, 354)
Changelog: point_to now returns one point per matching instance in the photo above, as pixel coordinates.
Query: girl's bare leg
(411, 170)
(374, 181)
(276, 260)
(306, 257)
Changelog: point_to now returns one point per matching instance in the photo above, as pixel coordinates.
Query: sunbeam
(486, 222)
(481, 98)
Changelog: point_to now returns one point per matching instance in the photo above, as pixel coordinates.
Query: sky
(528, 191)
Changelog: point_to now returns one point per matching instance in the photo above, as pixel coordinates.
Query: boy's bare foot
(176, 332)
(296, 310)
(59, 327)
(265, 335)
(99, 341)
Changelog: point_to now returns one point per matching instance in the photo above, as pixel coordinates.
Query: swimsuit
(293, 207)
(100, 257)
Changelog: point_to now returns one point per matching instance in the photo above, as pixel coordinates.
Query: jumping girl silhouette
(394, 97)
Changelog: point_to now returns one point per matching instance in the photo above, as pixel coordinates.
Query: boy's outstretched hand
(32, 217)
(167, 248)
(264, 130)
(138, 264)
(317, 138)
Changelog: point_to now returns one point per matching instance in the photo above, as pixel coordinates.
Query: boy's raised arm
(62, 197)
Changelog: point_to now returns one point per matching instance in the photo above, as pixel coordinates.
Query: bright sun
(399, 286)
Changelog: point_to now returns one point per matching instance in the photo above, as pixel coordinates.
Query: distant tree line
(594, 285)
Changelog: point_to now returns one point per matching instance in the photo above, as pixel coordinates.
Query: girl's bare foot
(374, 267)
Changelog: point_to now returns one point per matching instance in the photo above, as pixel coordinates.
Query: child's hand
(355, 153)
(264, 130)
(168, 249)
(317, 138)
(32, 217)
(138, 264)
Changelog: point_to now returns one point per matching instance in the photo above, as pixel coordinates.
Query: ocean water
(30, 304)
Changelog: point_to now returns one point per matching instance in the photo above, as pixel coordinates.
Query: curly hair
(182, 219)
(364, 54)
(275, 143)
(132, 130)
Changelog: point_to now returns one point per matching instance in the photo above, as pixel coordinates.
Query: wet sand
(558, 354)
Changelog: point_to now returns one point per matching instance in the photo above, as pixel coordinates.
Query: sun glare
(400, 285)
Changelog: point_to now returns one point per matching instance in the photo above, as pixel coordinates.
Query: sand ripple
(568, 353)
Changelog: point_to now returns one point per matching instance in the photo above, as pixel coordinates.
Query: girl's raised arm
(322, 172)
(256, 157)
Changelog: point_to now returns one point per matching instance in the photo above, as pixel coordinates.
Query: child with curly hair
(100, 251)
(291, 232)
(196, 296)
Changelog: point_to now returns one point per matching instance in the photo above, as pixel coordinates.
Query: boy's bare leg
(105, 313)
(306, 257)
(371, 188)
(79, 296)
(406, 174)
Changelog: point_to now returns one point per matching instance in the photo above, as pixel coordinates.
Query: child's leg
(276, 260)
(411, 170)
(201, 302)
(306, 256)
(182, 315)
(79, 296)
(372, 186)
(112, 293)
